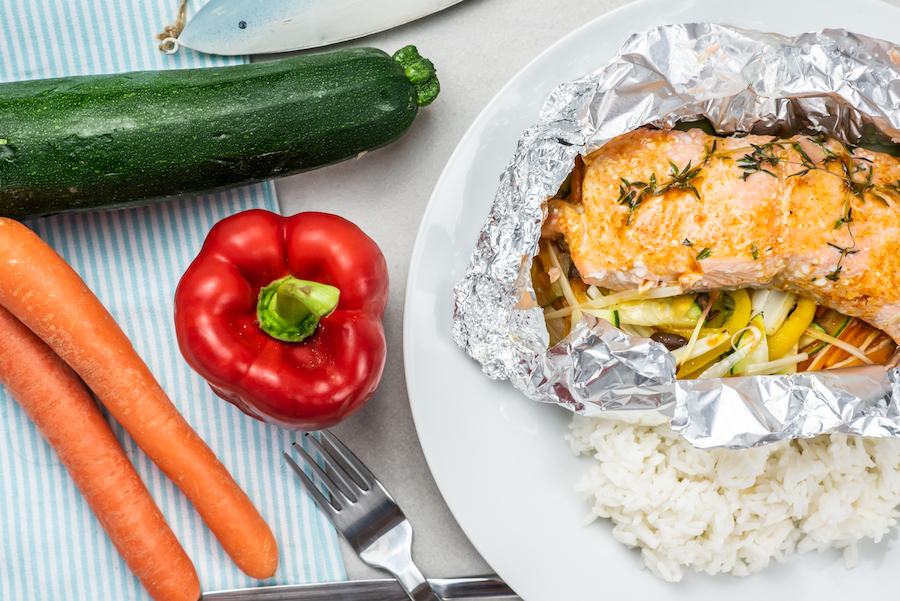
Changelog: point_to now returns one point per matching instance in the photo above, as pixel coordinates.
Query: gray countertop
(476, 46)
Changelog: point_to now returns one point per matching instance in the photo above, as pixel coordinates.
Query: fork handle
(392, 551)
(415, 584)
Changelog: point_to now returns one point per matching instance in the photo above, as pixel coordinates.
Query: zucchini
(105, 141)
(759, 353)
(832, 322)
(812, 345)
(694, 312)
(609, 315)
(636, 331)
(659, 311)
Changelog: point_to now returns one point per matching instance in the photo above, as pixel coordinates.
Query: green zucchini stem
(421, 74)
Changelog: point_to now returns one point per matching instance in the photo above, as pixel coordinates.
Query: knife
(483, 589)
(232, 27)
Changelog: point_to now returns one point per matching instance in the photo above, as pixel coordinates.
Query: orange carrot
(65, 414)
(45, 293)
(882, 354)
(856, 333)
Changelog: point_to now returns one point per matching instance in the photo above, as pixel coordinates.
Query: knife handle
(487, 588)
(484, 588)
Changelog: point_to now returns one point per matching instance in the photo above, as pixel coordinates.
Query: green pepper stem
(289, 309)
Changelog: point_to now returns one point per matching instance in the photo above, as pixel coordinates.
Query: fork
(363, 512)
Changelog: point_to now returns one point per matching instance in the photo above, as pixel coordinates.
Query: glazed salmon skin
(806, 214)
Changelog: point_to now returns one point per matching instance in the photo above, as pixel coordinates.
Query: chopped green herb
(681, 180)
(833, 276)
(762, 154)
(857, 188)
(633, 194)
(762, 159)
(844, 251)
(807, 162)
(820, 140)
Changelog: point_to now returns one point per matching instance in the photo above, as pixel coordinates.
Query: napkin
(51, 545)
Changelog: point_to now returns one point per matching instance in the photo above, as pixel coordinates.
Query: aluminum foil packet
(832, 81)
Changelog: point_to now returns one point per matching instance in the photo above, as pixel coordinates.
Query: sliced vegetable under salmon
(875, 346)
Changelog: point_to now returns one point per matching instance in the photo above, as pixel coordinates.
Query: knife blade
(481, 588)
(232, 27)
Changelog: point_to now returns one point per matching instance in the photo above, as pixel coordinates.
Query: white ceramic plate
(500, 460)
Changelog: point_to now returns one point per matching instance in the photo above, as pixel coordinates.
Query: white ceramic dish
(500, 460)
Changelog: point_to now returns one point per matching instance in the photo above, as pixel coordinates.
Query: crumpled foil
(832, 81)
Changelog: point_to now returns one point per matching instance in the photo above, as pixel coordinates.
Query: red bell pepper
(282, 316)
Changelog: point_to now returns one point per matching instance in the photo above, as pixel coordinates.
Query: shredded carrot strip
(851, 360)
(838, 343)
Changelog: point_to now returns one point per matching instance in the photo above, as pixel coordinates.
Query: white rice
(734, 511)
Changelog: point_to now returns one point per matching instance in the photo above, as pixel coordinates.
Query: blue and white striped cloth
(51, 545)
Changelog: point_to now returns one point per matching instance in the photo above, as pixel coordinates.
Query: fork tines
(344, 476)
(363, 512)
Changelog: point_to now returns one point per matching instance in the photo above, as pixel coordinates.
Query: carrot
(45, 293)
(65, 414)
(856, 333)
(879, 349)
(882, 354)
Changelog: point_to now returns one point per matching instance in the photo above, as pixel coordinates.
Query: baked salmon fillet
(809, 215)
